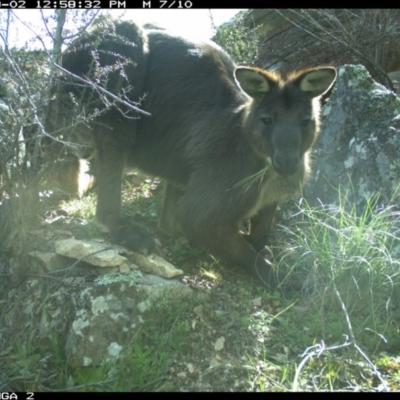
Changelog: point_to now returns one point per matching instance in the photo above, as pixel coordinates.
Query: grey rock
(358, 151)
(156, 265)
(51, 261)
(109, 313)
(105, 257)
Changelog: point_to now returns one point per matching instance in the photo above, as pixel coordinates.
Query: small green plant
(139, 201)
(83, 208)
(346, 260)
(181, 252)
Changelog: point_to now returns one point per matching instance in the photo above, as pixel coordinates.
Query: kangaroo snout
(285, 163)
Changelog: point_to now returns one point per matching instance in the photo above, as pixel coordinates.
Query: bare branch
(45, 25)
(367, 36)
(84, 28)
(99, 88)
(36, 34)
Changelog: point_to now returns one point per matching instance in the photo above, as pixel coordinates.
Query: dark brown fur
(212, 125)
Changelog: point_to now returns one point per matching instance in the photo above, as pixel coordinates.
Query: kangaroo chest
(273, 189)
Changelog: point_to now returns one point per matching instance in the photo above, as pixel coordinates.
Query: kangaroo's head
(283, 117)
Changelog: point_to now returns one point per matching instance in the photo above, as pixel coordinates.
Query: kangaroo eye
(266, 121)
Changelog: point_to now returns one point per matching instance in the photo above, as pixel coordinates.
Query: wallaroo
(231, 142)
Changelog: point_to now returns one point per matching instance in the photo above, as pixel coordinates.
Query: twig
(84, 28)
(81, 259)
(318, 349)
(353, 340)
(99, 88)
(352, 46)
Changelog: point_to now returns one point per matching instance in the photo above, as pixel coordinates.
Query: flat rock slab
(106, 256)
(155, 265)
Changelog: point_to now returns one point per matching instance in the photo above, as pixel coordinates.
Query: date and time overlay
(97, 4)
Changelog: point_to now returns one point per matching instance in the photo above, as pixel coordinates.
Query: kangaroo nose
(286, 163)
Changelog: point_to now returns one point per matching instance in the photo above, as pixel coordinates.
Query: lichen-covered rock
(109, 313)
(359, 146)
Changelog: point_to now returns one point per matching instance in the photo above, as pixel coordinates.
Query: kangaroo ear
(251, 81)
(317, 81)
